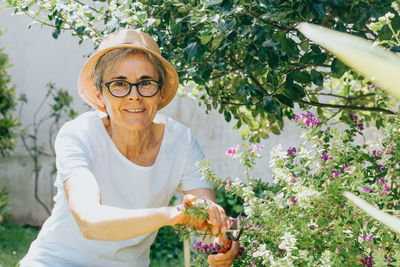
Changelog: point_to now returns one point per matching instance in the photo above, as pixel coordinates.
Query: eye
(146, 82)
(119, 83)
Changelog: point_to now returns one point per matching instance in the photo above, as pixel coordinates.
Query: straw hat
(126, 39)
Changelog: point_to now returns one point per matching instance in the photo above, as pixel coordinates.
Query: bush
(303, 219)
(8, 123)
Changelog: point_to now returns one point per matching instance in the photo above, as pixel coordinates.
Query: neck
(133, 144)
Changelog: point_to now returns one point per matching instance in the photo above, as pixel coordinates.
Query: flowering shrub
(303, 218)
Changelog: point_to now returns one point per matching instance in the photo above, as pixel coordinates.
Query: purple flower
(296, 118)
(381, 180)
(335, 173)
(381, 168)
(368, 237)
(387, 186)
(293, 200)
(325, 156)
(291, 150)
(377, 153)
(385, 192)
(240, 253)
(372, 86)
(197, 246)
(205, 248)
(367, 189)
(315, 122)
(353, 117)
(368, 261)
(360, 126)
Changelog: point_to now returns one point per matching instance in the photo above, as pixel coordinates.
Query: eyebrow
(143, 77)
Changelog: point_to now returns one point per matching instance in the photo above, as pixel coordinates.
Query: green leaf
(295, 91)
(285, 100)
(190, 52)
(227, 115)
(301, 76)
(269, 104)
(317, 78)
(338, 68)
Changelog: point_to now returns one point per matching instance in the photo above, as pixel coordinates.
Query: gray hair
(109, 60)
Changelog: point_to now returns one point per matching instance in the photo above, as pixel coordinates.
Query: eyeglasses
(122, 88)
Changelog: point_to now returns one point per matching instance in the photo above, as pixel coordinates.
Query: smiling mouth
(135, 110)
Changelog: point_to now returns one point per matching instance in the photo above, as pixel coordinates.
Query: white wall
(37, 59)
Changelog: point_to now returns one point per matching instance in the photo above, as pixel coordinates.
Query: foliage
(247, 57)
(167, 248)
(8, 123)
(14, 242)
(59, 101)
(293, 222)
(3, 204)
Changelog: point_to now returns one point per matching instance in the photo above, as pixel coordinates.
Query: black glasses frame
(107, 84)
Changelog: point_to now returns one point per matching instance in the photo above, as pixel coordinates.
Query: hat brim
(87, 86)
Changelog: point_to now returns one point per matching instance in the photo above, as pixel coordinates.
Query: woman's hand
(218, 222)
(224, 259)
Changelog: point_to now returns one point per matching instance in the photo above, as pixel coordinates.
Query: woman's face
(132, 111)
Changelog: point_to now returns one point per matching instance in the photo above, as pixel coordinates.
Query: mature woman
(117, 173)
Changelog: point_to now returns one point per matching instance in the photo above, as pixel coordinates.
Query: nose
(134, 93)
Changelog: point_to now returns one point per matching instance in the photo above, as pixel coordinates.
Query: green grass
(14, 242)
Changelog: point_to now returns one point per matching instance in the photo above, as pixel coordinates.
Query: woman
(117, 173)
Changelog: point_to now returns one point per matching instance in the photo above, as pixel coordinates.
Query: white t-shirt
(83, 145)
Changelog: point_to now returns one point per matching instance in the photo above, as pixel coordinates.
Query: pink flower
(367, 189)
(228, 184)
(372, 86)
(296, 118)
(256, 148)
(337, 250)
(335, 173)
(232, 151)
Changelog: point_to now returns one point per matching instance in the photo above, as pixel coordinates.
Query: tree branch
(44, 23)
(252, 78)
(317, 104)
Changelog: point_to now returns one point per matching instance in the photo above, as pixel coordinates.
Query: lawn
(14, 242)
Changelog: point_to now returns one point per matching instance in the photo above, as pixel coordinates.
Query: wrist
(173, 215)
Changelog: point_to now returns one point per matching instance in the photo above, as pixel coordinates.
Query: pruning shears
(233, 234)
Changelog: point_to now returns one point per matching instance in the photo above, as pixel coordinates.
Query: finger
(223, 219)
(215, 219)
(234, 250)
(189, 199)
(222, 239)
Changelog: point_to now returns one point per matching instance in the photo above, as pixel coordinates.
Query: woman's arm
(101, 222)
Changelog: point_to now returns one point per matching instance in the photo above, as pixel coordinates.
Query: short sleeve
(191, 178)
(72, 153)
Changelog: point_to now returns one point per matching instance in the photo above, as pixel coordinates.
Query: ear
(100, 99)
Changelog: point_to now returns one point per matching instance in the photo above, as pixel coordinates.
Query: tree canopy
(246, 58)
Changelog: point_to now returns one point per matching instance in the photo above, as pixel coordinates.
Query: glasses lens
(148, 88)
(119, 88)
